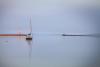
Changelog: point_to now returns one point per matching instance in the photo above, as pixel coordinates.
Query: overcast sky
(72, 16)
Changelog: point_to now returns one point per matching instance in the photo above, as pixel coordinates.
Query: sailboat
(29, 36)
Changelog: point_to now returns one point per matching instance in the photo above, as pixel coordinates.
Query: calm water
(50, 51)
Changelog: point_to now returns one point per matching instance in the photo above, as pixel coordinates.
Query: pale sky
(52, 15)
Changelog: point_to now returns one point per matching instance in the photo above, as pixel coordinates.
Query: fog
(50, 18)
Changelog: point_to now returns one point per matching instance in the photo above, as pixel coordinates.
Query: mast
(30, 25)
